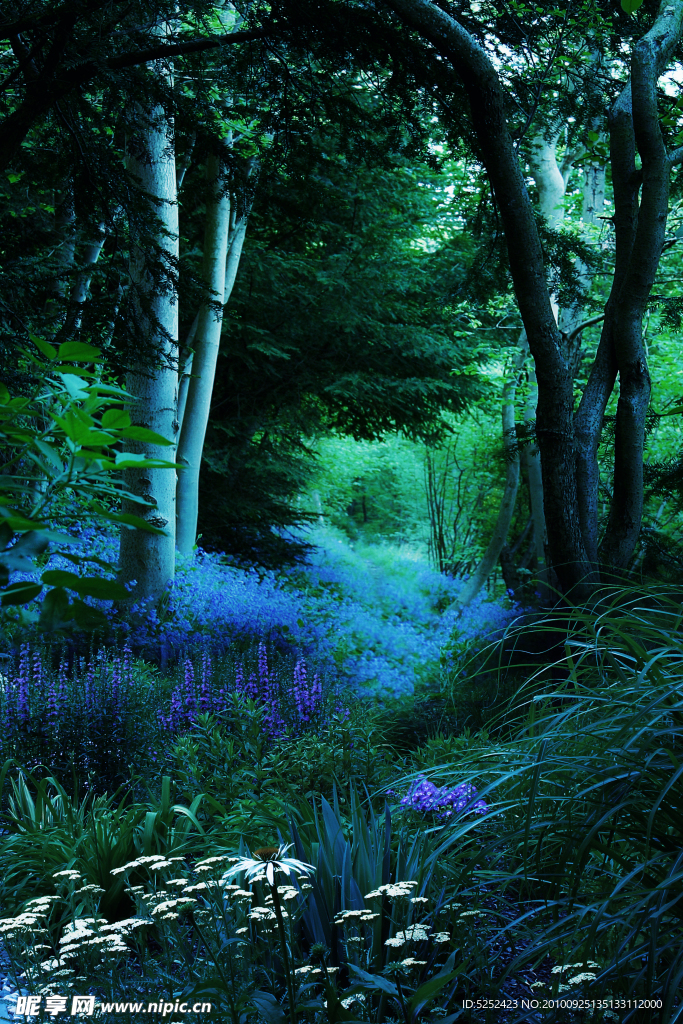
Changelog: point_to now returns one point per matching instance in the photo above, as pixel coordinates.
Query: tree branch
(128, 60)
(582, 327)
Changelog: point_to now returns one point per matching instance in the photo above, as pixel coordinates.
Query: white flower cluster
(353, 915)
(394, 890)
(414, 933)
(90, 934)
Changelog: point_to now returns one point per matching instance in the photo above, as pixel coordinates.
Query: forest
(341, 511)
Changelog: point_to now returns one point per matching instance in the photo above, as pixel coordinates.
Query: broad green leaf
(135, 522)
(131, 460)
(115, 419)
(59, 577)
(143, 434)
(630, 6)
(268, 1007)
(79, 559)
(55, 611)
(4, 394)
(95, 586)
(87, 617)
(375, 981)
(78, 351)
(51, 454)
(86, 586)
(73, 385)
(20, 593)
(45, 347)
(74, 371)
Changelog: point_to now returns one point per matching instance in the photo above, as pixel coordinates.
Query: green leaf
(143, 434)
(45, 347)
(4, 394)
(115, 419)
(426, 992)
(630, 6)
(59, 577)
(87, 586)
(78, 351)
(87, 617)
(131, 460)
(268, 1007)
(55, 611)
(20, 593)
(51, 454)
(135, 522)
(375, 981)
(73, 385)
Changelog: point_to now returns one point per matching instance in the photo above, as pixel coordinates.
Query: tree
(147, 560)
(568, 448)
(339, 323)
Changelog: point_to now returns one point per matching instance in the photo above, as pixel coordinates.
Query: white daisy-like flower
(68, 873)
(579, 978)
(197, 887)
(241, 931)
(419, 899)
(269, 861)
(210, 860)
(441, 937)
(395, 942)
(411, 962)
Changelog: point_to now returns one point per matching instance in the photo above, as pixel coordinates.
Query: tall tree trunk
(650, 57)
(79, 292)
(568, 448)
(554, 420)
(507, 504)
(533, 466)
(147, 558)
(205, 357)
(226, 224)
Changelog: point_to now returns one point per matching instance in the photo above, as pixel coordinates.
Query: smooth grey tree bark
(81, 287)
(197, 402)
(147, 560)
(227, 216)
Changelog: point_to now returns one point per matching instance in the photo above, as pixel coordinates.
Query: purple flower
(426, 798)
(23, 683)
